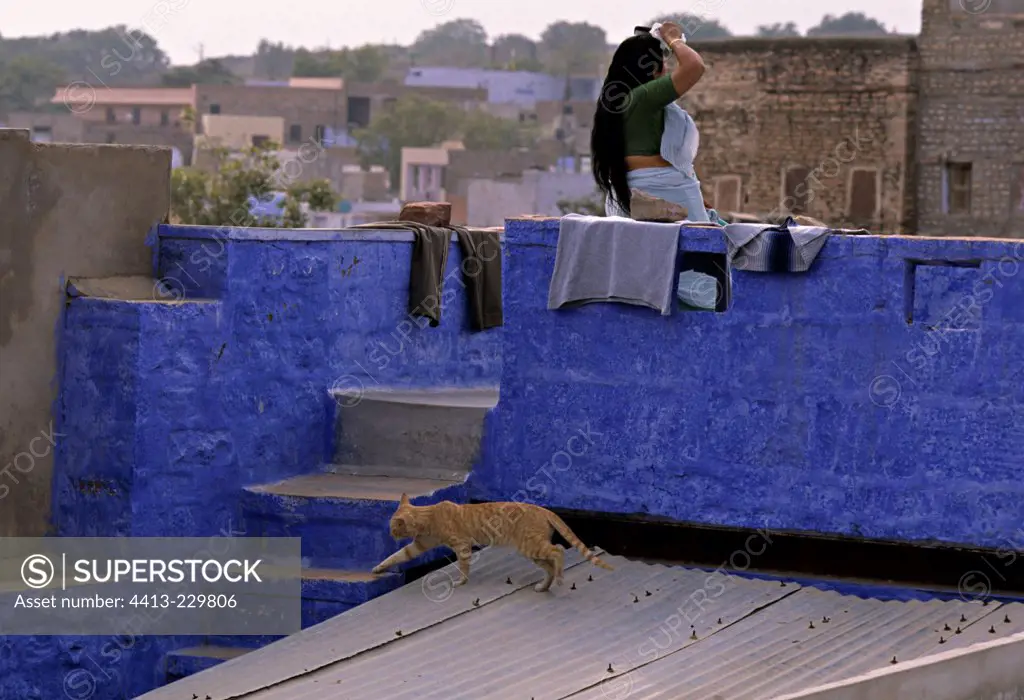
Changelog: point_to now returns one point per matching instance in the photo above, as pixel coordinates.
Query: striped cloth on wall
(784, 247)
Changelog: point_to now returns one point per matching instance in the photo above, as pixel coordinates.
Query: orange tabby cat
(524, 526)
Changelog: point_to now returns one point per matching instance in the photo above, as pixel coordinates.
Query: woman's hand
(670, 31)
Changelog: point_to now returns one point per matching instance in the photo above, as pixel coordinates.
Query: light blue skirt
(669, 184)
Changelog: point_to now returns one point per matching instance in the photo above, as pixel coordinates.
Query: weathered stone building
(822, 127)
(898, 134)
(970, 157)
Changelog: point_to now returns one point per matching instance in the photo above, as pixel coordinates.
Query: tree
(850, 24)
(485, 132)
(461, 43)
(366, 64)
(115, 56)
(273, 60)
(515, 52)
(315, 65)
(26, 82)
(409, 122)
(778, 30)
(208, 72)
(222, 196)
(573, 47)
(420, 122)
(697, 26)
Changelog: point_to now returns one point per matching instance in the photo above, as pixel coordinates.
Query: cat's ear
(404, 500)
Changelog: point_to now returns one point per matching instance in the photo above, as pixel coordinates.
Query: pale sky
(236, 26)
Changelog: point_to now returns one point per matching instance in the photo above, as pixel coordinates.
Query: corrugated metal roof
(641, 631)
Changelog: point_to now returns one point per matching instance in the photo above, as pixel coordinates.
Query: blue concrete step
(418, 429)
(330, 592)
(341, 518)
(185, 662)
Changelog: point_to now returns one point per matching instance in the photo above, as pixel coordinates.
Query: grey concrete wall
(986, 671)
(65, 210)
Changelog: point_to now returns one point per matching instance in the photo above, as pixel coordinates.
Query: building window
(359, 111)
(319, 132)
(165, 118)
(295, 133)
(259, 139)
(864, 195)
(795, 190)
(215, 108)
(1017, 190)
(42, 134)
(111, 115)
(957, 185)
(727, 193)
(136, 116)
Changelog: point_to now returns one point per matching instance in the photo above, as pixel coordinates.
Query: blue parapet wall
(878, 395)
(171, 407)
(834, 402)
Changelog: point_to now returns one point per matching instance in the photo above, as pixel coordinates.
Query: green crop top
(645, 116)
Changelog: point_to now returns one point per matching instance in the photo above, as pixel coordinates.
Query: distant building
(308, 111)
(137, 116)
(508, 87)
(357, 213)
(423, 172)
(366, 100)
(489, 201)
(347, 214)
(237, 132)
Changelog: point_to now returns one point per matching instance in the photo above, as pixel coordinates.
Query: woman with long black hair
(628, 143)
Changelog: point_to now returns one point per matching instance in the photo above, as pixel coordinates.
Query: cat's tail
(572, 539)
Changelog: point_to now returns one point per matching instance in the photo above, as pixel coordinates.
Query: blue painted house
(277, 386)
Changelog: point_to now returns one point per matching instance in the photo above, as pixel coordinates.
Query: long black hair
(637, 60)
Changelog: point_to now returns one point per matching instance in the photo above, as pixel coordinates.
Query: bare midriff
(639, 162)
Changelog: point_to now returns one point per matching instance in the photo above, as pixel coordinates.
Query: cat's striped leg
(549, 575)
(407, 553)
(557, 562)
(464, 552)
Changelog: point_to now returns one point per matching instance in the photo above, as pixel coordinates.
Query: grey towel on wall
(614, 259)
(770, 248)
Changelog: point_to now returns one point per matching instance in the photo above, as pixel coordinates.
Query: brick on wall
(828, 105)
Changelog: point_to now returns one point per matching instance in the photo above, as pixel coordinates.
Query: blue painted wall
(837, 401)
(172, 408)
(83, 668)
(832, 402)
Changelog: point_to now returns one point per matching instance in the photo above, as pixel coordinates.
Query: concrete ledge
(241, 233)
(986, 671)
(127, 287)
